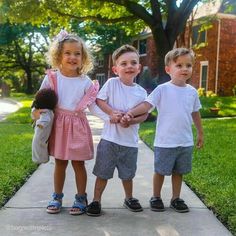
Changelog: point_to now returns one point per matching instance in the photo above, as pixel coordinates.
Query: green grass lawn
(15, 141)
(214, 167)
(227, 107)
(213, 177)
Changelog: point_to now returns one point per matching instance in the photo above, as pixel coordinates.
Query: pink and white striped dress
(71, 137)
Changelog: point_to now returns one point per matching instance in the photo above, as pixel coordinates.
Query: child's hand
(124, 121)
(127, 117)
(35, 114)
(199, 142)
(115, 117)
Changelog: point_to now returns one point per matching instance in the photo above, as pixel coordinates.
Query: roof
(216, 6)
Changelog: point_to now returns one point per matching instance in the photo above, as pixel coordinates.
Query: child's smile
(71, 58)
(127, 67)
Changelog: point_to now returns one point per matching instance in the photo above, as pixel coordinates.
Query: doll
(46, 101)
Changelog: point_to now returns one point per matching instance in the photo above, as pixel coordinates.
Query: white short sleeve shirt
(70, 89)
(174, 121)
(121, 97)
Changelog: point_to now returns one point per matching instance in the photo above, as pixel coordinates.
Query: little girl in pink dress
(71, 137)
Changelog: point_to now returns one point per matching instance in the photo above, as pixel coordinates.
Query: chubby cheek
(79, 63)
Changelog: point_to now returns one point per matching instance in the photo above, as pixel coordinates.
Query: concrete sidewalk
(8, 106)
(25, 213)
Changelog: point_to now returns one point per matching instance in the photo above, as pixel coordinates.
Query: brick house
(102, 69)
(214, 67)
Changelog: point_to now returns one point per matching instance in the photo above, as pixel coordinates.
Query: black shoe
(94, 209)
(133, 204)
(179, 205)
(156, 204)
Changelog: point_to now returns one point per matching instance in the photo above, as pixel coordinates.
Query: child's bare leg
(100, 185)
(80, 202)
(94, 208)
(59, 175)
(156, 203)
(130, 203)
(80, 176)
(176, 185)
(158, 181)
(128, 187)
(59, 179)
(177, 203)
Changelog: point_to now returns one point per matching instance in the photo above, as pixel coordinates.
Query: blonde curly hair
(54, 53)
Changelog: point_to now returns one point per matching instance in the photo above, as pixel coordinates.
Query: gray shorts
(173, 160)
(110, 156)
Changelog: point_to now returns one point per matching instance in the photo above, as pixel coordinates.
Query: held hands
(124, 119)
(116, 116)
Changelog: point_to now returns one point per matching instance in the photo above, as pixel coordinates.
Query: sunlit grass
(213, 177)
(15, 155)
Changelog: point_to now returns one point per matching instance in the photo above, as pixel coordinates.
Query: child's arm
(139, 119)
(136, 115)
(126, 121)
(96, 111)
(198, 124)
(115, 116)
(140, 109)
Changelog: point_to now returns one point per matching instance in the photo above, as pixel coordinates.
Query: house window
(198, 35)
(142, 46)
(101, 78)
(203, 74)
(100, 62)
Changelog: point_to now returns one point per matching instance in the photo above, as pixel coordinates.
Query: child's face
(127, 67)
(180, 70)
(71, 58)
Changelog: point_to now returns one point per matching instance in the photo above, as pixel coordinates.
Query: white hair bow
(63, 34)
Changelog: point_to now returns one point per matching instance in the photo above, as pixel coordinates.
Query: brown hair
(177, 52)
(121, 50)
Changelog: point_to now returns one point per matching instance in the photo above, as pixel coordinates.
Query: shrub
(210, 94)
(201, 92)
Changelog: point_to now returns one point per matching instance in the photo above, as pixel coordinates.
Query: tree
(22, 48)
(165, 18)
(102, 38)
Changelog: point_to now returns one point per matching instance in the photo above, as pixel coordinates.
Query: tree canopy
(165, 18)
(22, 49)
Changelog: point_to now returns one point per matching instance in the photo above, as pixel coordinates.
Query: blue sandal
(79, 205)
(54, 206)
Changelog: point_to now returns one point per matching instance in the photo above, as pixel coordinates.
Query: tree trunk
(162, 47)
(29, 86)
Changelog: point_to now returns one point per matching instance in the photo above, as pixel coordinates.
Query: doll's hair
(45, 99)
(121, 50)
(54, 53)
(177, 52)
